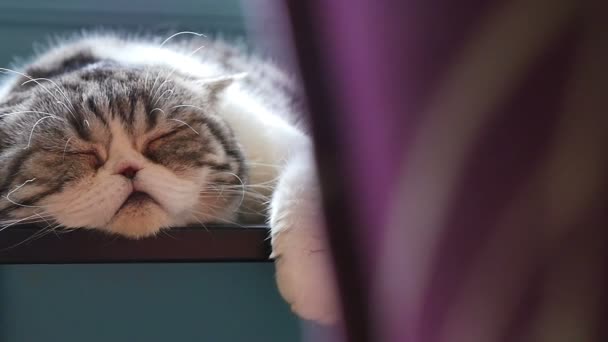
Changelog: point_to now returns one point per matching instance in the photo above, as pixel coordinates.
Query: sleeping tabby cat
(132, 136)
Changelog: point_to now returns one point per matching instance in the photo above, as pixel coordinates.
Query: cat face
(125, 150)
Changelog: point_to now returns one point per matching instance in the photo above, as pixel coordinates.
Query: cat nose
(127, 166)
(129, 171)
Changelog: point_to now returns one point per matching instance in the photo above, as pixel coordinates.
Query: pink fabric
(493, 259)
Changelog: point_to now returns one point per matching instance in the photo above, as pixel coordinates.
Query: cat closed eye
(157, 139)
(163, 136)
(93, 157)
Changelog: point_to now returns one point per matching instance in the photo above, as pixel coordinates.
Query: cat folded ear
(60, 64)
(216, 85)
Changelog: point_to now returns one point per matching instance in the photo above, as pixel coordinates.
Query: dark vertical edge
(333, 169)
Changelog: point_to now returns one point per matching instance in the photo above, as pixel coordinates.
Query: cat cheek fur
(88, 203)
(95, 201)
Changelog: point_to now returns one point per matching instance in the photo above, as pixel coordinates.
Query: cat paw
(299, 246)
(304, 276)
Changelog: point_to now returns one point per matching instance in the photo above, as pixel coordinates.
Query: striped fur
(131, 136)
(60, 117)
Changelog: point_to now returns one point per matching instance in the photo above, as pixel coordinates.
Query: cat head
(123, 149)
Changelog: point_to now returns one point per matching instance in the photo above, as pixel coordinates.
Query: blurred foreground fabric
(462, 150)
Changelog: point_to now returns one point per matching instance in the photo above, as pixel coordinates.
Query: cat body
(133, 135)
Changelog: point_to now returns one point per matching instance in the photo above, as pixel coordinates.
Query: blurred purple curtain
(461, 146)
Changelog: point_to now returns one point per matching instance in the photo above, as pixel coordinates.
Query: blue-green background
(133, 302)
(143, 302)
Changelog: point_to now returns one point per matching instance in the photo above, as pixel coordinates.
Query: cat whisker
(163, 44)
(173, 71)
(148, 68)
(57, 89)
(220, 219)
(36, 81)
(29, 141)
(163, 94)
(28, 111)
(36, 217)
(159, 88)
(62, 103)
(263, 164)
(65, 230)
(8, 196)
(29, 220)
(186, 106)
(258, 184)
(8, 224)
(38, 234)
(248, 210)
(220, 193)
(165, 231)
(202, 224)
(216, 194)
(242, 184)
(66, 147)
(185, 123)
(159, 109)
(255, 186)
(270, 181)
(154, 88)
(182, 33)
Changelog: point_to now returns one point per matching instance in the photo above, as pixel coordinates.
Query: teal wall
(213, 302)
(26, 22)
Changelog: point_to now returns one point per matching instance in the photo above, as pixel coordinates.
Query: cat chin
(139, 221)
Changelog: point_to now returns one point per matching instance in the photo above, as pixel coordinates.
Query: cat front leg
(299, 245)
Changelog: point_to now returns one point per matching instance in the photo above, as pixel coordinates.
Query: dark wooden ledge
(22, 245)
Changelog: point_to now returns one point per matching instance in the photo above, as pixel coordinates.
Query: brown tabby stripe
(32, 200)
(132, 104)
(14, 169)
(220, 134)
(95, 111)
(75, 62)
(77, 121)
